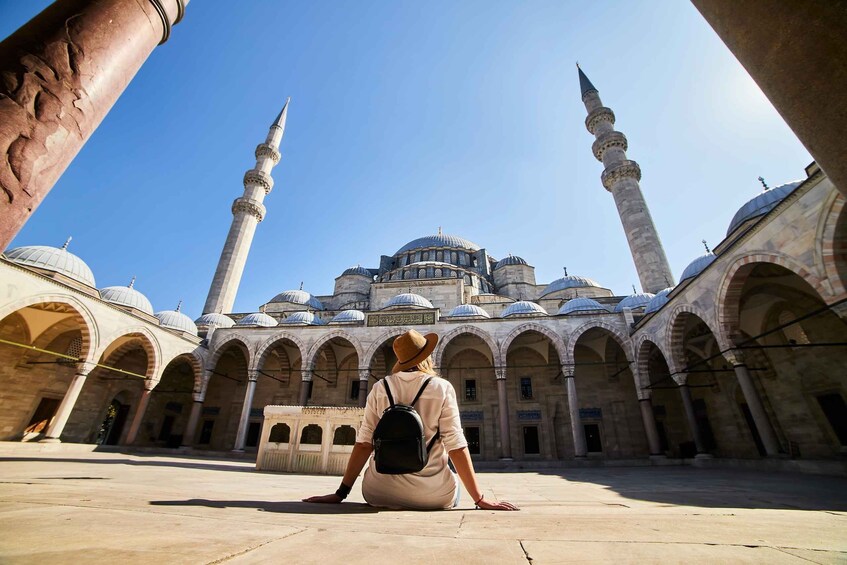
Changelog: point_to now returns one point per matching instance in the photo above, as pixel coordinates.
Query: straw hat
(411, 348)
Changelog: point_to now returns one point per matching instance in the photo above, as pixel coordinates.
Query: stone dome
(634, 301)
(439, 240)
(761, 204)
(569, 281)
(259, 319)
(582, 305)
(659, 300)
(127, 296)
(214, 319)
(468, 311)
(408, 300)
(54, 259)
(523, 307)
(357, 270)
(510, 260)
(348, 317)
(176, 320)
(302, 319)
(298, 297)
(697, 266)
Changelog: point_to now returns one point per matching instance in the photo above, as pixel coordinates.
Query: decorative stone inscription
(401, 319)
(529, 415)
(211, 410)
(591, 413)
(474, 416)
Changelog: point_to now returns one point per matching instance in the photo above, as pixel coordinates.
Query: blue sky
(407, 116)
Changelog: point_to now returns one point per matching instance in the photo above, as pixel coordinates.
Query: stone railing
(308, 439)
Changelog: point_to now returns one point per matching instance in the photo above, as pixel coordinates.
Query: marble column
(690, 416)
(62, 73)
(140, 410)
(364, 375)
(244, 421)
(757, 409)
(57, 425)
(503, 405)
(305, 383)
(193, 419)
(650, 428)
(580, 446)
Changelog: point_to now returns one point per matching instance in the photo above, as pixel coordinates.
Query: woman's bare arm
(461, 459)
(358, 458)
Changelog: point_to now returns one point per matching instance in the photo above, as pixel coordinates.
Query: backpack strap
(388, 391)
(437, 435)
(420, 391)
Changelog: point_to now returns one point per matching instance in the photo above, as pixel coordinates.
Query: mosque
(743, 358)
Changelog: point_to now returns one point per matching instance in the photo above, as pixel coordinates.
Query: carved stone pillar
(140, 410)
(244, 421)
(57, 425)
(503, 404)
(580, 446)
(305, 383)
(690, 416)
(650, 428)
(61, 73)
(193, 419)
(364, 375)
(754, 403)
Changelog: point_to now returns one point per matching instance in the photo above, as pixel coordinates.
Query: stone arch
(831, 251)
(148, 341)
(85, 319)
(194, 361)
(235, 339)
(642, 360)
(377, 343)
(622, 339)
(264, 348)
(466, 329)
(560, 343)
(676, 333)
(732, 284)
(311, 358)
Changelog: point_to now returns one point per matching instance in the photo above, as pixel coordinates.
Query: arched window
(468, 280)
(439, 256)
(454, 257)
(437, 273)
(425, 256)
(793, 333)
(407, 274)
(344, 435)
(280, 433)
(312, 434)
(422, 273)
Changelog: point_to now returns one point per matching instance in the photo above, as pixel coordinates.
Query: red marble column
(60, 74)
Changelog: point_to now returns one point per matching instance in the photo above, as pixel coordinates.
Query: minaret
(620, 177)
(247, 212)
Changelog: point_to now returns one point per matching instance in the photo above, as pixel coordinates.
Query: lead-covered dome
(439, 240)
(510, 260)
(357, 270)
(302, 319)
(468, 311)
(408, 300)
(258, 319)
(300, 297)
(127, 296)
(761, 204)
(53, 259)
(582, 305)
(697, 266)
(214, 319)
(569, 281)
(658, 301)
(176, 320)
(523, 308)
(348, 317)
(634, 301)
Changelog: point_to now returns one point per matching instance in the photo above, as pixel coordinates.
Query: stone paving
(117, 508)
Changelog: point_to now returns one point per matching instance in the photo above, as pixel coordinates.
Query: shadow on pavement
(196, 464)
(293, 507)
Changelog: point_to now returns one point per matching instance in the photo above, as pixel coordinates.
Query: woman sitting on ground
(434, 487)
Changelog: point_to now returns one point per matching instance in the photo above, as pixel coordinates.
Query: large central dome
(439, 240)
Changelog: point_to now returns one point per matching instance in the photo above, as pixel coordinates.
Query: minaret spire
(620, 177)
(247, 212)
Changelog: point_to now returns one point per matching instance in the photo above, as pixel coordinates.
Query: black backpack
(399, 443)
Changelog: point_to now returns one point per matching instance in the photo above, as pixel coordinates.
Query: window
(472, 436)
(344, 435)
(253, 431)
(312, 434)
(526, 388)
(793, 333)
(206, 432)
(836, 413)
(354, 389)
(280, 433)
(470, 389)
(592, 438)
(530, 440)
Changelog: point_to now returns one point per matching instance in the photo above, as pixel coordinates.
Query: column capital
(253, 375)
(567, 371)
(83, 368)
(364, 374)
(306, 375)
(500, 373)
(149, 385)
(735, 357)
(680, 378)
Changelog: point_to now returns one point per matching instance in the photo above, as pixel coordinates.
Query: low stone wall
(308, 439)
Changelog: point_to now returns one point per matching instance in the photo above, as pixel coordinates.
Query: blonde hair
(427, 366)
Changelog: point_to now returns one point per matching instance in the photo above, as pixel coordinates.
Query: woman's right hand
(485, 505)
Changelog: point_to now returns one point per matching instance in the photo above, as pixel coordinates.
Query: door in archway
(113, 424)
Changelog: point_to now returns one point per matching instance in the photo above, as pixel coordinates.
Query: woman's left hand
(485, 505)
(325, 499)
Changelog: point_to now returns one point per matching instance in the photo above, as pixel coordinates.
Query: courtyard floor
(70, 507)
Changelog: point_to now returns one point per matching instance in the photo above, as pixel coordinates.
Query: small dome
(582, 305)
(259, 319)
(569, 281)
(697, 266)
(298, 297)
(658, 301)
(357, 270)
(52, 259)
(127, 296)
(408, 300)
(761, 204)
(523, 307)
(634, 301)
(510, 260)
(302, 319)
(468, 311)
(176, 320)
(213, 319)
(439, 240)
(348, 317)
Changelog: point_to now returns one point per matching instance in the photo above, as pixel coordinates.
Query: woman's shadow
(286, 507)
